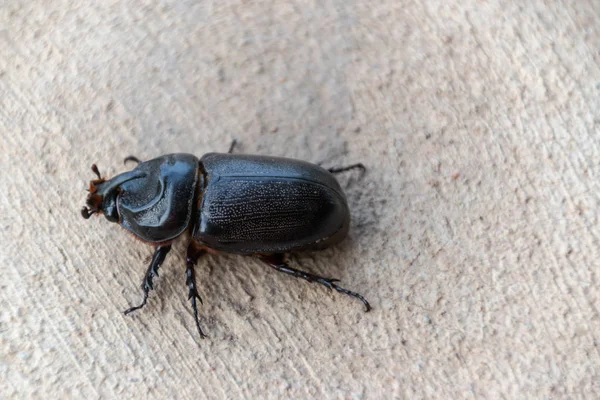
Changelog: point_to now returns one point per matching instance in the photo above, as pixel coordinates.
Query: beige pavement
(475, 231)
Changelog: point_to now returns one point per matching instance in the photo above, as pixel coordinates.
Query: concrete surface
(475, 232)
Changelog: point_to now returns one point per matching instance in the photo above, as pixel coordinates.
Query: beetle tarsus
(132, 309)
(193, 252)
(233, 143)
(276, 261)
(193, 295)
(348, 168)
(131, 158)
(147, 285)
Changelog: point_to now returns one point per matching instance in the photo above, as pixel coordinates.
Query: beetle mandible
(253, 205)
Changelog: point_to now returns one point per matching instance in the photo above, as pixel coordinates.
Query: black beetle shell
(257, 204)
(157, 207)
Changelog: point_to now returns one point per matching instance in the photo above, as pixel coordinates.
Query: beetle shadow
(367, 201)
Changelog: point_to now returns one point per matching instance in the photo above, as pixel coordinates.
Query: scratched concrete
(475, 231)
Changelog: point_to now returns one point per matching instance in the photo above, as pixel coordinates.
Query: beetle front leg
(157, 259)
(276, 261)
(193, 253)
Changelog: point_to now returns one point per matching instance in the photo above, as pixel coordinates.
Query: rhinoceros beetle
(253, 205)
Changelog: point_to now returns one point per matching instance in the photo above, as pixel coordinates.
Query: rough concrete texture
(475, 231)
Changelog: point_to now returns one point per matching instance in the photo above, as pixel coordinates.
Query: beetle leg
(233, 143)
(157, 259)
(131, 158)
(193, 253)
(348, 168)
(276, 261)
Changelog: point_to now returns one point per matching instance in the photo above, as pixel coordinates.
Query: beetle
(253, 205)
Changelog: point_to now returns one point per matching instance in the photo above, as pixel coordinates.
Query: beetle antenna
(96, 171)
(87, 213)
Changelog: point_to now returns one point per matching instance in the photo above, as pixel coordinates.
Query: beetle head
(103, 194)
(154, 201)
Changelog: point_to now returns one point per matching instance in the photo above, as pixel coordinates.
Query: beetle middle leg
(157, 259)
(232, 146)
(276, 261)
(194, 251)
(131, 158)
(348, 168)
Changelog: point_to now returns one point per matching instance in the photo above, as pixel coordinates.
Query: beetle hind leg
(157, 259)
(193, 253)
(276, 261)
